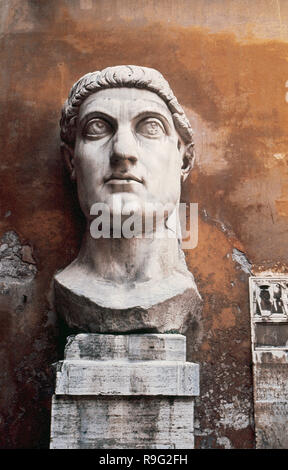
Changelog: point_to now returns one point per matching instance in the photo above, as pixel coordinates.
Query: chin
(122, 203)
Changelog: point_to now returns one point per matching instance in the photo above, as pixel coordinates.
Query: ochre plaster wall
(227, 63)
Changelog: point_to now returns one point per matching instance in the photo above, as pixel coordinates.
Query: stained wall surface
(227, 63)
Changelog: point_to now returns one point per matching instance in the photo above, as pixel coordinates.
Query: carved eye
(151, 127)
(97, 127)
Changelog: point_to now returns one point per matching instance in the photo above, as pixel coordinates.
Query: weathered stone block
(122, 423)
(131, 347)
(271, 431)
(119, 378)
(271, 398)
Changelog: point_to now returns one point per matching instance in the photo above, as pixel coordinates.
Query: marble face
(129, 156)
(127, 151)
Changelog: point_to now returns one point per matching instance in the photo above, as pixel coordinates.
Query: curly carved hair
(129, 76)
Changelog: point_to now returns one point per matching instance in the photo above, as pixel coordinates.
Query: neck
(121, 273)
(123, 260)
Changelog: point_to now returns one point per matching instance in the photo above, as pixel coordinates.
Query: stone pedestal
(124, 392)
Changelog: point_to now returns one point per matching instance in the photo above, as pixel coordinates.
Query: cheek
(90, 158)
(162, 157)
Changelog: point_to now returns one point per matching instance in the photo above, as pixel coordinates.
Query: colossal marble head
(125, 139)
(128, 144)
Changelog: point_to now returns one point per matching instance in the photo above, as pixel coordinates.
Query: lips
(126, 177)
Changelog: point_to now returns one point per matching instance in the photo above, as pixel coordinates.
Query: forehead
(130, 100)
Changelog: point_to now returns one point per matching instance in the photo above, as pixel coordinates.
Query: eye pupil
(97, 127)
(99, 124)
(151, 128)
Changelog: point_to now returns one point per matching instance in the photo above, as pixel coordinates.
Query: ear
(68, 156)
(188, 156)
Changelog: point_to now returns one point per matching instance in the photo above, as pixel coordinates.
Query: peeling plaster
(16, 261)
(224, 442)
(240, 258)
(234, 414)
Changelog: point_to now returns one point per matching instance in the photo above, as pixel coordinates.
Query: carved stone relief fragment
(269, 331)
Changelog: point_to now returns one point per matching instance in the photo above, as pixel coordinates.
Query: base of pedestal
(122, 423)
(121, 401)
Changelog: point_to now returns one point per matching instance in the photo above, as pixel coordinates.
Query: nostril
(116, 158)
(121, 158)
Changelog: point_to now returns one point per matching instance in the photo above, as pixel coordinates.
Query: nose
(124, 150)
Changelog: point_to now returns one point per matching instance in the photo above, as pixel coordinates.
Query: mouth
(125, 178)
